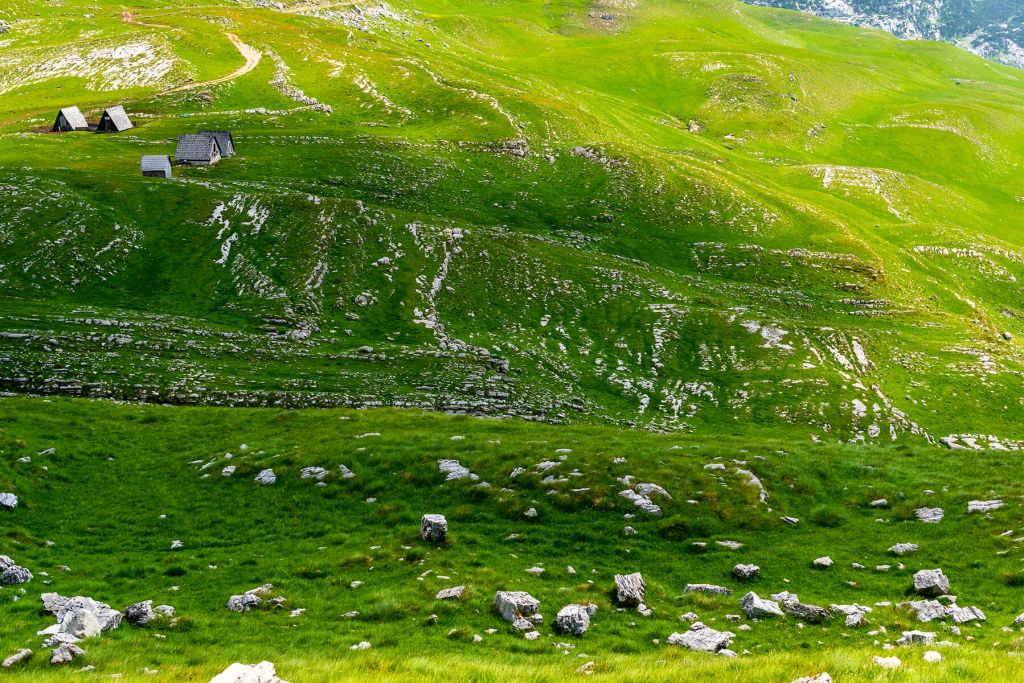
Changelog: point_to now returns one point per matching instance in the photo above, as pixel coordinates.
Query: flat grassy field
(107, 488)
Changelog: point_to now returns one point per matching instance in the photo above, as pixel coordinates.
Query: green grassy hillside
(106, 489)
(680, 216)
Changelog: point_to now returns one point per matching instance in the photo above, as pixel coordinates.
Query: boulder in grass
(744, 572)
(630, 589)
(702, 638)
(930, 515)
(574, 620)
(140, 614)
(984, 505)
(512, 605)
(931, 582)
(8, 501)
(810, 613)
(904, 548)
(244, 673)
(888, 662)
(916, 637)
(708, 588)
(758, 608)
(823, 677)
(65, 653)
(14, 575)
(266, 477)
(823, 562)
(244, 602)
(453, 593)
(17, 658)
(434, 528)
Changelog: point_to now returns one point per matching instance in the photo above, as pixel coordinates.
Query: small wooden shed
(197, 150)
(69, 119)
(156, 166)
(114, 120)
(224, 141)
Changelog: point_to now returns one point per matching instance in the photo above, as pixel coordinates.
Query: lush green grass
(119, 488)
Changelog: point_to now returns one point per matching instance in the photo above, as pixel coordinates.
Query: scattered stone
(880, 503)
(532, 635)
(574, 620)
(629, 531)
(318, 473)
(8, 501)
(630, 589)
(140, 614)
(932, 657)
(14, 575)
(823, 562)
(917, 638)
(702, 638)
(984, 505)
(80, 616)
(931, 582)
(706, 588)
(820, 678)
(362, 645)
(731, 545)
(745, 571)
(243, 673)
(792, 521)
(228, 471)
(454, 471)
(888, 662)
(266, 477)
(434, 528)
(531, 513)
(454, 593)
(244, 602)
(930, 515)
(904, 548)
(759, 608)
(17, 658)
(854, 614)
(65, 653)
(512, 605)
(810, 613)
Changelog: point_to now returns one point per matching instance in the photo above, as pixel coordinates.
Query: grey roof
(195, 147)
(155, 162)
(118, 117)
(74, 117)
(224, 141)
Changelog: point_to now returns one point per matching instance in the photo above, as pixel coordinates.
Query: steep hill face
(682, 216)
(993, 29)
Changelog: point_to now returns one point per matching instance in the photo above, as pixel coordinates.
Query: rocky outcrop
(17, 658)
(140, 614)
(8, 501)
(453, 593)
(745, 571)
(810, 613)
(266, 477)
(14, 575)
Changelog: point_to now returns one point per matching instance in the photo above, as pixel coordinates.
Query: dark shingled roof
(118, 119)
(224, 141)
(74, 117)
(195, 147)
(155, 162)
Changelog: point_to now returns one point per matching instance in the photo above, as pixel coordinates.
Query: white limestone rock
(630, 589)
(434, 528)
(931, 582)
(512, 605)
(759, 608)
(266, 477)
(574, 620)
(263, 672)
(702, 638)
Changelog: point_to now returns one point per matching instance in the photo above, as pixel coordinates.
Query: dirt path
(252, 58)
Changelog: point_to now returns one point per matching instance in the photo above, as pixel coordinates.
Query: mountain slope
(993, 29)
(681, 216)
